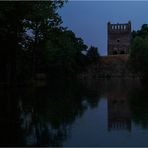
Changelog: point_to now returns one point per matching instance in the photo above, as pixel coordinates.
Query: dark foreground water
(90, 113)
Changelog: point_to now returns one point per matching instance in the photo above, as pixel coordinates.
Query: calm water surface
(87, 113)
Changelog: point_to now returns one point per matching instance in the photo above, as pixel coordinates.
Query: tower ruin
(119, 38)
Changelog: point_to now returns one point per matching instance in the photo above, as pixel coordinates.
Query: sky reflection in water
(90, 113)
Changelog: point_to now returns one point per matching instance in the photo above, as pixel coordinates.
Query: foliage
(93, 54)
(17, 18)
(35, 41)
(139, 52)
(63, 51)
(143, 32)
(41, 22)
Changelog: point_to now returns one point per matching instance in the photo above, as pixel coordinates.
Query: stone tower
(119, 38)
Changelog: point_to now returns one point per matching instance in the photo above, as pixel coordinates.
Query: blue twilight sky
(88, 19)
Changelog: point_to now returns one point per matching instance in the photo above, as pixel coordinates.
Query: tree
(143, 32)
(17, 18)
(93, 54)
(139, 56)
(63, 52)
(36, 41)
(139, 52)
(11, 30)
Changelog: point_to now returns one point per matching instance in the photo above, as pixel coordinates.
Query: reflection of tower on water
(119, 116)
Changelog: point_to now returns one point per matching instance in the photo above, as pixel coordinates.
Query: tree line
(33, 40)
(139, 52)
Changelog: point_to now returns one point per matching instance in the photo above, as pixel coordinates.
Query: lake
(105, 112)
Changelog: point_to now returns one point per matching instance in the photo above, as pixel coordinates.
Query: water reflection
(9, 118)
(139, 106)
(52, 115)
(119, 114)
(47, 113)
(117, 92)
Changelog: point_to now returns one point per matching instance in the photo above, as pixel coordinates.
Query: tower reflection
(119, 115)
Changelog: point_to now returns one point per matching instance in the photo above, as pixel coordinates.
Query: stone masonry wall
(109, 67)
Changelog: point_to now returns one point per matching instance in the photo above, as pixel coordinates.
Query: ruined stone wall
(109, 67)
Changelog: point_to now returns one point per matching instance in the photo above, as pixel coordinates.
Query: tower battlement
(119, 38)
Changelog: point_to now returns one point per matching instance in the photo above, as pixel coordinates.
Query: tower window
(118, 41)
